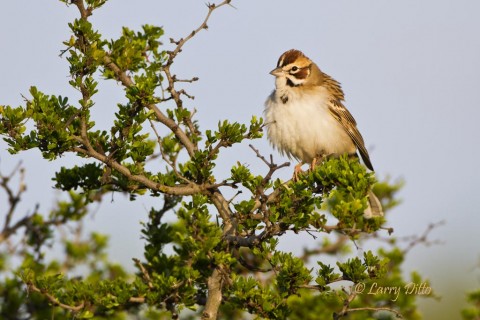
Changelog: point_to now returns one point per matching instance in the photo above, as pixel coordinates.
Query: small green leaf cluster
(92, 4)
(230, 133)
(52, 134)
(199, 168)
(85, 53)
(130, 51)
(291, 273)
(256, 298)
(85, 177)
(128, 140)
(356, 270)
(297, 205)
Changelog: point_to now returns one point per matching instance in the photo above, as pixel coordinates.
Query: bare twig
(261, 199)
(185, 80)
(272, 168)
(13, 200)
(390, 230)
(180, 43)
(171, 78)
(415, 240)
(182, 91)
(268, 163)
(397, 314)
(223, 207)
(271, 165)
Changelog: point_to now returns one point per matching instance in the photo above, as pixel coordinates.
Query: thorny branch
(180, 43)
(271, 165)
(261, 199)
(171, 78)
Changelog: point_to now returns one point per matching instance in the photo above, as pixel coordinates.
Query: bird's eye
(294, 68)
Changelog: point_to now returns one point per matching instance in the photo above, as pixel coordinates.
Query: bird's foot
(313, 164)
(316, 160)
(297, 170)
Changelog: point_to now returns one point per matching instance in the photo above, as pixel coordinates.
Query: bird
(306, 119)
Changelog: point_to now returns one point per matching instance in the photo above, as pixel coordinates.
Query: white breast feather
(303, 127)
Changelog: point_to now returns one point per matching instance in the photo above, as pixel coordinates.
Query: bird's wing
(339, 112)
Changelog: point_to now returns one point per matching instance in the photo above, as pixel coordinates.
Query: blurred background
(411, 75)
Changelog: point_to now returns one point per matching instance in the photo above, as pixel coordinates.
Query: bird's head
(293, 68)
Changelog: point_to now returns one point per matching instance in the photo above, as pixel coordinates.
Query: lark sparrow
(306, 118)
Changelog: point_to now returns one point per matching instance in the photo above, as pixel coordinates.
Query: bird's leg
(297, 170)
(314, 162)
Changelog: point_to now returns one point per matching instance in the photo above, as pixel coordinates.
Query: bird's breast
(303, 127)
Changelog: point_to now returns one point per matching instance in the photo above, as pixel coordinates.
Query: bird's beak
(277, 72)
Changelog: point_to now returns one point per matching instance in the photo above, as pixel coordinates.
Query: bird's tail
(374, 209)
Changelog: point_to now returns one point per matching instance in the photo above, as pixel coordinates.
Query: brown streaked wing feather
(347, 121)
(333, 87)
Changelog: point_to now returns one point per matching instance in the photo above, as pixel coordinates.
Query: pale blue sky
(410, 71)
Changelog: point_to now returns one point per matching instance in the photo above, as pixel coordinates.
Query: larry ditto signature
(408, 289)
